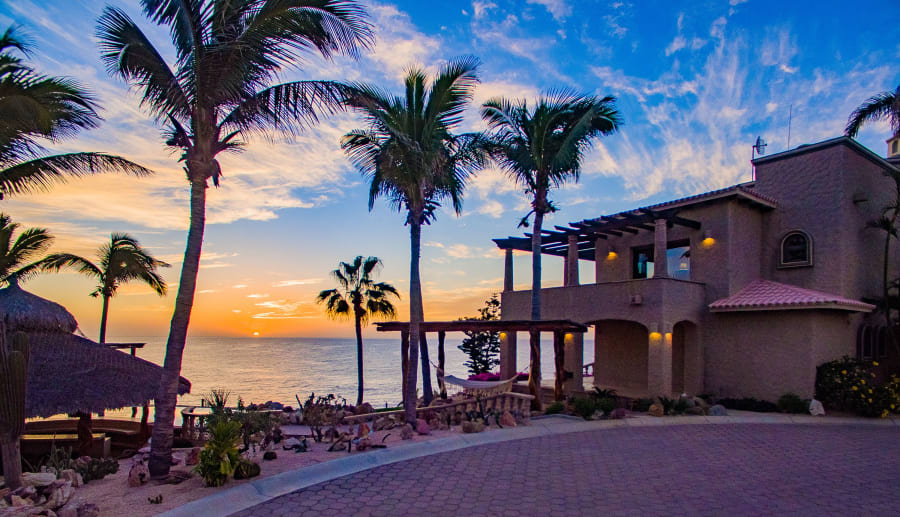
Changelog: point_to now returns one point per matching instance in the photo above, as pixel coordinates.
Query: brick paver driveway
(672, 470)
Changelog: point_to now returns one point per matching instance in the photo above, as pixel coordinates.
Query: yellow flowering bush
(843, 385)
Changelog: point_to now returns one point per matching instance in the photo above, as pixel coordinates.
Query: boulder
(656, 410)
(700, 403)
(364, 409)
(38, 478)
(816, 408)
(177, 459)
(72, 477)
(192, 457)
(472, 427)
(507, 420)
(290, 443)
(138, 475)
(60, 493)
(718, 410)
(269, 455)
(422, 427)
(618, 413)
(88, 510)
(406, 432)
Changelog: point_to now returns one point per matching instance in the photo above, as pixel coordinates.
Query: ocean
(280, 369)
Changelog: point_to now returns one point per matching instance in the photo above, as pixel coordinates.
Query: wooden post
(660, 247)
(559, 362)
(534, 372)
(508, 271)
(440, 368)
(427, 395)
(508, 354)
(134, 354)
(404, 360)
(572, 262)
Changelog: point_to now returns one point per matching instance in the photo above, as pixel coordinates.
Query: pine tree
(483, 348)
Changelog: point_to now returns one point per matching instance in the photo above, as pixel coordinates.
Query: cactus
(13, 372)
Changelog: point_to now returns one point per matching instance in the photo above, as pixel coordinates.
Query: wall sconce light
(708, 239)
(611, 254)
(503, 335)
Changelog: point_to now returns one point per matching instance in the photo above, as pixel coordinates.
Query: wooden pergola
(507, 329)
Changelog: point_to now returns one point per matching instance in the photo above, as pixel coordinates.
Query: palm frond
(41, 173)
(884, 105)
(58, 261)
(287, 107)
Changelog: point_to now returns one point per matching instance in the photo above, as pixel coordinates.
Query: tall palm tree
(541, 148)
(410, 156)
(120, 261)
(218, 89)
(18, 258)
(35, 107)
(881, 106)
(358, 294)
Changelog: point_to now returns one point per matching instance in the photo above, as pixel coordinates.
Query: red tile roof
(767, 295)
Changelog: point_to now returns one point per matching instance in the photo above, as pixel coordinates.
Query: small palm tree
(410, 155)
(541, 148)
(359, 295)
(120, 261)
(219, 90)
(35, 107)
(18, 257)
(881, 106)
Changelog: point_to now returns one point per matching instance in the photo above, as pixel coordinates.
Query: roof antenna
(790, 118)
(758, 148)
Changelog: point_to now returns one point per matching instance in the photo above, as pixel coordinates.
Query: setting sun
(255, 334)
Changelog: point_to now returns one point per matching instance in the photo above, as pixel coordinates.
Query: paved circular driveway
(742, 469)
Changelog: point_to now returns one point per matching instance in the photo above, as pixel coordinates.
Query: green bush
(246, 469)
(848, 384)
(792, 403)
(554, 408)
(641, 405)
(585, 407)
(606, 404)
(220, 455)
(749, 404)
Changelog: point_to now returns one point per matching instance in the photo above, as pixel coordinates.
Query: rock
(138, 475)
(507, 420)
(69, 510)
(269, 455)
(472, 427)
(364, 409)
(718, 410)
(18, 502)
(290, 443)
(178, 476)
(177, 459)
(143, 450)
(695, 411)
(700, 403)
(422, 427)
(72, 477)
(816, 408)
(435, 423)
(362, 430)
(38, 478)
(689, 401)
(406, 432)
(59, 495)
(276, 405)
(192, 457)
(656, 410)
(618, 413)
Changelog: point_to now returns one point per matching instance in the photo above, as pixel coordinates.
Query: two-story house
(741, 291)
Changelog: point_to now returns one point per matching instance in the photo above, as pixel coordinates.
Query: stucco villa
(741, 291)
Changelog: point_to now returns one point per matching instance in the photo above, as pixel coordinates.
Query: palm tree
(881, 106)
(18, 257)
(541, 148)
(35, 107)
(365, 298)
(410, 156)
(227, 54)
(121, 260)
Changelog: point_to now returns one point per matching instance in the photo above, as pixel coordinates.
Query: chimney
(893, 151)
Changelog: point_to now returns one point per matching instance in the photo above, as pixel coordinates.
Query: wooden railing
(519, 404)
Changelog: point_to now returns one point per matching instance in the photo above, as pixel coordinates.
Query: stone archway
(620, 356)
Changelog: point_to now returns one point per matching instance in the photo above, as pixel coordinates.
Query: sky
(696, 83)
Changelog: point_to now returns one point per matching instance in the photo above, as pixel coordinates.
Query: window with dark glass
(871, 342)
(796, 250)
(678, 261)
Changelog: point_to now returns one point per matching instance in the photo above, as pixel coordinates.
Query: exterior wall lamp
(708, 239)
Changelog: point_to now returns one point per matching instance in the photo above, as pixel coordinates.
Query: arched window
(796, 250)
(871, 342)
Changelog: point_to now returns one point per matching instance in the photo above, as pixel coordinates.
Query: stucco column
(659, 361)
(508, 271)
(660, 246)
(601, 251)
(507, 354)
(574, 346)
(572, 261)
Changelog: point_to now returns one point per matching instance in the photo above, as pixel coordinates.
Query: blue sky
(696, 82)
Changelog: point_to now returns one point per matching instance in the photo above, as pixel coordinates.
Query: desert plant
(320, 411)
(641, 405)
(606, 404)
(601, 393)
(792, 403)
(554, 408)
(13, 376)
(667, 404)
(749, 404)
(220, 455)
(849, 384)
(246, 469)
(585, 407)
(95, 468)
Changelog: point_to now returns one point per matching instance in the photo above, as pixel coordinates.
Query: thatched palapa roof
(68, 373)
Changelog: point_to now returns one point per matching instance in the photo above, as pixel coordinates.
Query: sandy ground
(115, 498)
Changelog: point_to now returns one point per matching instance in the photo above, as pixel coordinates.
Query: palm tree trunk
(427, 392)
(536, 265)
(103, 316)
(164, 419)
(359, 356)
(416, 315)
(12, 462)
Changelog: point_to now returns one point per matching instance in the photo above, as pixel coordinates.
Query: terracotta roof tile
(768, 295)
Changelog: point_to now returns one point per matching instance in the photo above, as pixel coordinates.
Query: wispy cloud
(289, 283)
(560, 9)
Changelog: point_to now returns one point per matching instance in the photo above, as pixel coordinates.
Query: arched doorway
(620, 356)
(687, 365)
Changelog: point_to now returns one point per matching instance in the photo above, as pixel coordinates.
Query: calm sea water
(278, 369)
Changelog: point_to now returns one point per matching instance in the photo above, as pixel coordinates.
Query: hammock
(482, 388)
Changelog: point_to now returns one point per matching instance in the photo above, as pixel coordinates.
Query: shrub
(606, 404)
(749, 404)
(220, 455)
(585, 407)
(554, 408)
(679, 407)
(641, 405)
(848, 384)
(792, 403)
(246, 469)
